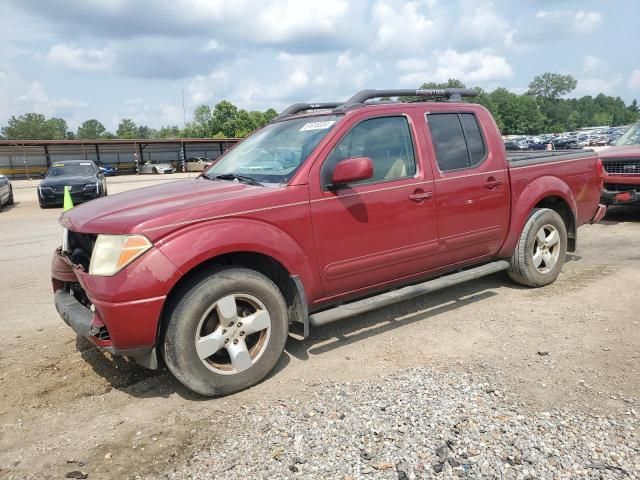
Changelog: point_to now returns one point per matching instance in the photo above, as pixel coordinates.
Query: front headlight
(111, 253)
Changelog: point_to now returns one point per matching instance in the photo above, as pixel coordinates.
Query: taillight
(600, 173)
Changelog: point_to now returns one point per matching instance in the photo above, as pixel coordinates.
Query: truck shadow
(127, 376)
(380, 321)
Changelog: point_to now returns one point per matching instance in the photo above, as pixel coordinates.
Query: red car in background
(622, 165)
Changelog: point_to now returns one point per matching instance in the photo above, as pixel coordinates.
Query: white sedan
(154, 166)
(6, 192)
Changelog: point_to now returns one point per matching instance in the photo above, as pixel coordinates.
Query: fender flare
(189, 247)
(531, 195)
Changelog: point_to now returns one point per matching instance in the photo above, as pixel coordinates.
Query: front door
(380, 229)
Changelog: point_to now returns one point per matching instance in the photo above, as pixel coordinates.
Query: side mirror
(352, 170)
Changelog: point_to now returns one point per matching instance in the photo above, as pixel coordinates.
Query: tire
(11, 201)
(549, 255)
(195, 318)
(154, 170)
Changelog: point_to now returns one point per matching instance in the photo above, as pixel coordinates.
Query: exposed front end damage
(121, 328)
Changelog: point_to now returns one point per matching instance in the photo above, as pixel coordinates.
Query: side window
(457, 140)
(386, 140)
(475, 143)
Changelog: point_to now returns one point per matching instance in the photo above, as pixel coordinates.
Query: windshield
(83, 169)
(631, 136)
(275, 152)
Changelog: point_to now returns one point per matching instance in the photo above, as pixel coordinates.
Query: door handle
(492, 183)
(420, 196)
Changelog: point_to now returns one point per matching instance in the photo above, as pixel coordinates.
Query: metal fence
(32, 158)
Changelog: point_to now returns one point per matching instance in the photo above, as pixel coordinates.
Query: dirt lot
(65, 406)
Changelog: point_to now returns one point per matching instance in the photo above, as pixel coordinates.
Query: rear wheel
(154, 170)
(540, 253)
(11, 201)
(226, 331)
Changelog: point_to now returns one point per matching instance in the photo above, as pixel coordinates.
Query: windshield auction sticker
(317, 125)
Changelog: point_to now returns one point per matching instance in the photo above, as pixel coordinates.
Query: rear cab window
(457, 140)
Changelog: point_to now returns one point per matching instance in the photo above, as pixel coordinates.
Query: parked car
(154, 166)
(622, 182)
(82, 176)
(212, 273)
(514, 146)
(6, 191)
(198, 164)
(108, 170)
(565, 143)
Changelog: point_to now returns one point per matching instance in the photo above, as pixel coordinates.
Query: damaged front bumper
(128, 328)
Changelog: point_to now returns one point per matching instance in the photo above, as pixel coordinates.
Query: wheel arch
(544, 192)
(562, 208)
(255, 245)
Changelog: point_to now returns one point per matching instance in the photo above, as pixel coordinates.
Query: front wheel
(226, 331)
(11, 201)
(541, 250)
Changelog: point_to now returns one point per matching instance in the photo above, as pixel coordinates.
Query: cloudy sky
(110, 59)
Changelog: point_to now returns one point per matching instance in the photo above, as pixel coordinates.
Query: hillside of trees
(544, 108)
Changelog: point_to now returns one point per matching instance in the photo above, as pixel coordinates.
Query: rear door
(471, 185)
(381, 229)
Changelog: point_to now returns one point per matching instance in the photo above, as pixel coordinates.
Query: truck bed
(521, 159)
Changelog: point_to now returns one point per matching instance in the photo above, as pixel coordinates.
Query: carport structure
(27, 158)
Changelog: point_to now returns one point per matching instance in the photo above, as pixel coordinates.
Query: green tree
(34, 126)
(169, 132)
(143, 131)
(550, 86)
(127, 129)
(515, 114)
(57, 128)
(91, 129)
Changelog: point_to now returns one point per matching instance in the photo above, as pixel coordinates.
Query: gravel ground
(419, 423)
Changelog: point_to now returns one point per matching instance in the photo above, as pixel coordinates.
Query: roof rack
(302, 107)
(451, 94)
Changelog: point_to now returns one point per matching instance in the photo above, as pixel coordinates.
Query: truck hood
(67, 180)
(156, 210)
(619, 151)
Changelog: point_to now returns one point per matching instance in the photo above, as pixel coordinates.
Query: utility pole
(184, 112)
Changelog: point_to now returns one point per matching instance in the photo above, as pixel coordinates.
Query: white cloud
(586, 22)
(594, 85)
(18, 96)
(81, 59)
(201, 88)
(553, 25)
(473, 67)
(282, 22)
(480, 24)
(402, 27)
(591, 63)
(634, 80)
(412, 64)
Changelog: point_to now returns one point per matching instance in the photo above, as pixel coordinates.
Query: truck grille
(621, 187)
(60, 188)
(80, 248)
(622, 166)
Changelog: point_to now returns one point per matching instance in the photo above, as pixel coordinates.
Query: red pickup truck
(330, 210)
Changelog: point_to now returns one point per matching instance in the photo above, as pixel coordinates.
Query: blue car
(108, 170)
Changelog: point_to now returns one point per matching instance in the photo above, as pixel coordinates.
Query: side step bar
(405, 293)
